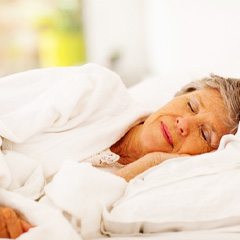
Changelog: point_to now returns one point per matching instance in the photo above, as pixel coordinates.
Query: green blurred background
(45, 33)
(61, 40)
(40, 34)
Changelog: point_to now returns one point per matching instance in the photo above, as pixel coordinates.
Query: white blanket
(49, 223)
(82, 192)
(199, 193)
(54, 119)
(49, 116)
(79, 193)
(195, 193)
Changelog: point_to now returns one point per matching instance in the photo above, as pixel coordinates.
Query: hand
(11, 225)
(142, 164)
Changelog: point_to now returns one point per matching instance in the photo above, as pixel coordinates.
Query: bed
(185, 198)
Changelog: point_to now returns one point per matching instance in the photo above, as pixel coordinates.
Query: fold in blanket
(54, 115)
(190, 193)
(48, 223)
(50, 121)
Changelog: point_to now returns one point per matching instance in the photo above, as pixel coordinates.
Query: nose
(182, 124)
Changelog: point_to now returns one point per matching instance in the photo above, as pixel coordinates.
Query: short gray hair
(229, 89)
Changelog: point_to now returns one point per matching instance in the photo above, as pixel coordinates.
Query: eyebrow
(198, 99)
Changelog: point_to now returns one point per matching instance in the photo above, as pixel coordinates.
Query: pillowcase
(190, 193)
(154, 92)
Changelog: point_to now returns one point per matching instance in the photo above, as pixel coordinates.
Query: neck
(129, 147)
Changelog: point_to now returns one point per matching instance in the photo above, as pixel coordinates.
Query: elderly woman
(85, 113)
(191, 123)
(59, 116)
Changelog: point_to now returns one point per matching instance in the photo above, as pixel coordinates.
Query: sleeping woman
(85, 114)
(193, 122)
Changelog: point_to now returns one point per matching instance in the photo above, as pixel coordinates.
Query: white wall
(188, 39)
(116, 26)
(176, 40)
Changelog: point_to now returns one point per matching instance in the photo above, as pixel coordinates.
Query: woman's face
(192, 123)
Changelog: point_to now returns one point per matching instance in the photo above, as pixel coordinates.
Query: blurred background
(169, 39)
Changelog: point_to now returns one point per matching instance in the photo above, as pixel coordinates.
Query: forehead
(208, 96)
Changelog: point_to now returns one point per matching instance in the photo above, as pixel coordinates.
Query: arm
(11, 225)
(142, 164)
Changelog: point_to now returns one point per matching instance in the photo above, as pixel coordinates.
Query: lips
(166, 134)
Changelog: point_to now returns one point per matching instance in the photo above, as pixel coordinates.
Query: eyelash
(201, 130)
(190, 106)
(203, 134)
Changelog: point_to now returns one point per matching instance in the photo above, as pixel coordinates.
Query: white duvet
(55, 115)
(78, 201)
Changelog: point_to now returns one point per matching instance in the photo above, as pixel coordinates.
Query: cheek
(194, 147)
(193, 144)
(149, 137)
(152, 140)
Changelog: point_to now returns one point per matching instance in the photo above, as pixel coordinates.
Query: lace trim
(104, 158)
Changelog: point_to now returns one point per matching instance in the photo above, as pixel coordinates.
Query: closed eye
(190, 106)
(204, 135)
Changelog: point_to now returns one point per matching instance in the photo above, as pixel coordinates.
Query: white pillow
(194, 193)
(154, 92)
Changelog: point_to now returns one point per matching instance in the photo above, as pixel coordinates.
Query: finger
(3, 227)
(12, 222)
(25, 225)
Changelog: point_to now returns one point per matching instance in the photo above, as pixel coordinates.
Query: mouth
(166, 134)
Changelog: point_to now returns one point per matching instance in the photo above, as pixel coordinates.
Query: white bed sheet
(194, 235)
(92, 191)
